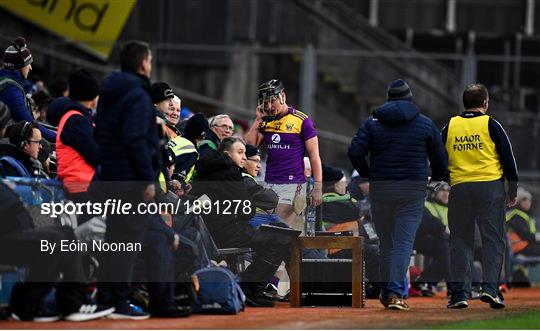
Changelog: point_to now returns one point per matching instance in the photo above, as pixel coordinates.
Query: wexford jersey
(285, 140)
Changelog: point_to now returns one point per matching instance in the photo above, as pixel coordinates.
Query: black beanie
(161, 91)
(195, 127)
(399, 90)
(17, 55)
(331, 175)
(83, 86)
(251, 150)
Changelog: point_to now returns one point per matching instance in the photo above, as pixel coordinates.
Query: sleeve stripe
(509, 143)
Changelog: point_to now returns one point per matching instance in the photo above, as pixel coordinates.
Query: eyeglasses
(34, 141)
(256, 161)
(225, 127)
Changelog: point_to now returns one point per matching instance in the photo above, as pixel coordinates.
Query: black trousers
(479, 203)
(116, 268)
(271, 248)
(24, 249)
(157, 257)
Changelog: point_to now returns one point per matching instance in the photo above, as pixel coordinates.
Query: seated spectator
(20, 157)
(265, 199)
(17, 234)
(17, 65)
(220, 178)
(341, 213)
(432, 240)
(77, 152)
(162, 97)
(521, 226)
(221, 127)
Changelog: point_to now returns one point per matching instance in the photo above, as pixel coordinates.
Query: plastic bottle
(310, 221)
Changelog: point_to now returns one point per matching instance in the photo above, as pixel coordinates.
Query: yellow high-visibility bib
(472, 155)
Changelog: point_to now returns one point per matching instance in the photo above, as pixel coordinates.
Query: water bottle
(310, 221)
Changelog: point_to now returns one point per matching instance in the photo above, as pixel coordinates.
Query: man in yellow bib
(480, 158)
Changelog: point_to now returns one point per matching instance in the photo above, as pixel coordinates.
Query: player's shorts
(287, 192)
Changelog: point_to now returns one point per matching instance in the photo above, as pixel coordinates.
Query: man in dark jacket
(77, 152)
(221, 180)
(127, 137)
(17, 65)
(400, 140)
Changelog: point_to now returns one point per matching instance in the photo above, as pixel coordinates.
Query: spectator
(480, 158)
(288, 135)
(524, 237)
(432, 239)
(341, 213)
(20, 157)
(162, 97)
(221, 127)
(17, 65)
(220, 177)
(127, 137)
(397, 133)
(77, 152)
(264, 198)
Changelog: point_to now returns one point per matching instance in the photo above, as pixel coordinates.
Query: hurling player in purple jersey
(288, 134)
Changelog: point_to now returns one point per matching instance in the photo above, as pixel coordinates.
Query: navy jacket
(400, 140)
(126, 129)
(16, 101)
(78, 131)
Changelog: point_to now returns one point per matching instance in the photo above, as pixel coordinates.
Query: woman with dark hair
(219, 176)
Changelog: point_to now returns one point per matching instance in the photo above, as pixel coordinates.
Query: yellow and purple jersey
(285, 140)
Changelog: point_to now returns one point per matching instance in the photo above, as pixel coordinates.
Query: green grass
(525, 321)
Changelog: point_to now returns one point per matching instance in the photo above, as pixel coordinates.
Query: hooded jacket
(15, 99)
(126, 130)
(400, 141)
